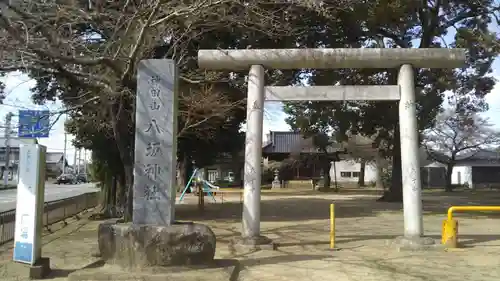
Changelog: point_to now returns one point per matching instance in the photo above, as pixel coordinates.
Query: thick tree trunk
(380, 171)
(181, 166)
(185, 172)
(112, 195)
(237, 168)
(122, 192)
(129, 181)
(109, 196)
(121, 121)
(325, 166)
(110, 211)
(361, 178)
(106, 190)
(449, 171)
(395, 191)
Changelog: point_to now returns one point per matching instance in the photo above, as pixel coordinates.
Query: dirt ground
(299, 222)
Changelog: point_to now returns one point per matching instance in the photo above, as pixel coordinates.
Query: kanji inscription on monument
(155, 142)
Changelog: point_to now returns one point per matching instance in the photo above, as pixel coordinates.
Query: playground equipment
(206, 187)
(449, 234)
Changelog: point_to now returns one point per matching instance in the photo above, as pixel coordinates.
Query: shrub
(386, 178)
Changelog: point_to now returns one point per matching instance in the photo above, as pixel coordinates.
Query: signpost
(34, 123)
(29, 206)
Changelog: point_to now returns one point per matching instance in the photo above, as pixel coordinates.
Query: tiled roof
(473, 157)
(289, 142)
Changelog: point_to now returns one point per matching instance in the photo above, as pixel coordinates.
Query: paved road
(52, 192)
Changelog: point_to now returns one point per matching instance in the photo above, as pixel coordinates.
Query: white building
(348, 171)
(477, 170)
(53, 159)
(14, 144)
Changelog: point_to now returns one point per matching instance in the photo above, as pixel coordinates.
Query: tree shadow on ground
(58, 273)
(279, 209)
(301, 208)
(249, 262)
(465, 241)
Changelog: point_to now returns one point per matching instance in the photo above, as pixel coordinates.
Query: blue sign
(34, 123)
(23, 252)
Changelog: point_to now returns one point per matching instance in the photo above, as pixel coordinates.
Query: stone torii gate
(404, 59)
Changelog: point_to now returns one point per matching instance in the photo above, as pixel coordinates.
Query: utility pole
(63, 169)
(8, 130)
(74, 161)
(78, 159)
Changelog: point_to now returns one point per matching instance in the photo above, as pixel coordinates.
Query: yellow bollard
(449, 233)
(332, 226)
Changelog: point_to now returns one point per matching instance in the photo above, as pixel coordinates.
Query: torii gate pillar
(404, 59)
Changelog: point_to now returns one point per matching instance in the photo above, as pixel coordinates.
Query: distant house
(227, 167)
(54, 162)
(476, 169)
(14, 144)
(482, 169)
(282, 145)
(53, 159)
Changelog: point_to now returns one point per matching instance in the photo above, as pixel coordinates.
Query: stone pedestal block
(141, 246)
(418, 243)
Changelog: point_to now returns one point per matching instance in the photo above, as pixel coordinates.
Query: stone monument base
(417, 243)
(135, 247)
(276, 185)
(39, 270)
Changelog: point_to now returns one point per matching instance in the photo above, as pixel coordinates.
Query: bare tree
(457, 136)
(86, 53)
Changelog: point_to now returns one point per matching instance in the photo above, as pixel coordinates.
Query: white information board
(29, 206)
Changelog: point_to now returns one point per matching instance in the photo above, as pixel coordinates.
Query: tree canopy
(404, 24)
(85, 53)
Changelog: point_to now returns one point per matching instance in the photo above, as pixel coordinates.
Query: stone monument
(154, 238)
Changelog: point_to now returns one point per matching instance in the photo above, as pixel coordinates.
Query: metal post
(410, 166)
(74, 161)
(332, 226)
(85, 161)
(63, 169)
(253, 153)
(8, 129)
(77, 161)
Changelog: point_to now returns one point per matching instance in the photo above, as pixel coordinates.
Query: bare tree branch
(458, 135)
